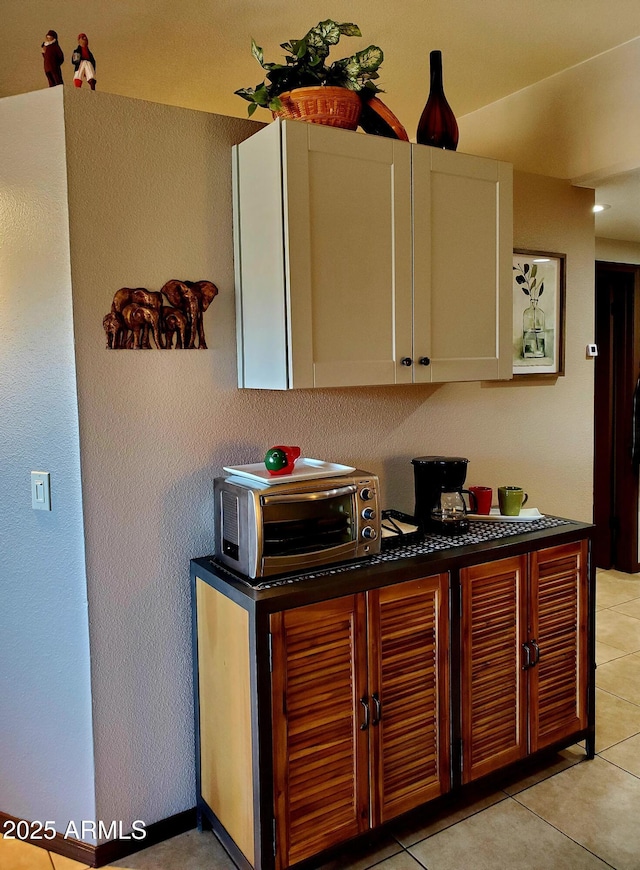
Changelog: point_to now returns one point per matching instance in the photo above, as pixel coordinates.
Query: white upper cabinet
(462, 266)
(362, 260)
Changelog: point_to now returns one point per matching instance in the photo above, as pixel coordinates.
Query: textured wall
(151, 200)
(46, 755)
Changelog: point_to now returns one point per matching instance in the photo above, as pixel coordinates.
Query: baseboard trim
(113, 850)
(84, 853)
(104, 853)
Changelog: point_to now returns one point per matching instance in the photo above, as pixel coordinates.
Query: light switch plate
(41, 490)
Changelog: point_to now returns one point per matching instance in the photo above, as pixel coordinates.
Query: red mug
(484, 495)
(281, 459)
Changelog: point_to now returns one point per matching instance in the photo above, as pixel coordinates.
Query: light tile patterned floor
(567, 816)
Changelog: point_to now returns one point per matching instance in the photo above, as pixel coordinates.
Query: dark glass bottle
(437, 126)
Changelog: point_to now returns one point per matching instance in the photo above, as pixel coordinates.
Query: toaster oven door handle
(304, 496)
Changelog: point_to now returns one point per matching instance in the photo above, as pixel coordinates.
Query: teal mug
(511, 499)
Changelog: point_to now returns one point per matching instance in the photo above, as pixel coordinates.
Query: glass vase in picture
(533, 331)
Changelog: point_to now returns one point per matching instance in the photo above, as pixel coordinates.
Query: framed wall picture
(538, 313)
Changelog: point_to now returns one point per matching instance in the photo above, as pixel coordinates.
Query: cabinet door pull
(365, 703)
(425, 361)
(377, 715)
(527, 664)
(536, 649)
(406, 361)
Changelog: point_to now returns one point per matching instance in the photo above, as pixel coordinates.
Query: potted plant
(306, 87)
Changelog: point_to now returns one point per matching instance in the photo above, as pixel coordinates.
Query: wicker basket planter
(334, 107)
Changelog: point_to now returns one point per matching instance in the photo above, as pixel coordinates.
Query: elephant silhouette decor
(138, 315)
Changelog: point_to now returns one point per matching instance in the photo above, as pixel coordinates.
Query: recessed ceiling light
(600, 207)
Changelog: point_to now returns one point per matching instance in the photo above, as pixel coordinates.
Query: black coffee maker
(440, 505)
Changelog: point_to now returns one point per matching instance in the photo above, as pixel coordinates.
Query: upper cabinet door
(347, 206)
(322, 223)
(463, 246)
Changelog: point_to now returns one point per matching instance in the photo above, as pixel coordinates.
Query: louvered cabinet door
(320, 751)
(558, 680)
(493, 683)
(409, 688)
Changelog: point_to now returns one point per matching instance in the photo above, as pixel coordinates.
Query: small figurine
(84, 63)
(53, 59)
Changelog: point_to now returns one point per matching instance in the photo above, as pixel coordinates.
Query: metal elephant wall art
(138, 315)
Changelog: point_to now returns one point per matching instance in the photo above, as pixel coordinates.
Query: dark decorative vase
(437, 126)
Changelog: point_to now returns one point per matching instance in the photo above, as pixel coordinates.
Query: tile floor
(567, 816)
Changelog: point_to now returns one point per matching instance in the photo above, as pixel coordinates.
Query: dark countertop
(431, 555)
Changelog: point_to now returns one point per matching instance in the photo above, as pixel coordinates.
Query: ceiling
(196, 54)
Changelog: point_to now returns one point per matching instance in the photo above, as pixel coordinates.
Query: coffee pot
(440, 504)
(449, 513)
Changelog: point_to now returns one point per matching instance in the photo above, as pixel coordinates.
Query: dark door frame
(617, 369)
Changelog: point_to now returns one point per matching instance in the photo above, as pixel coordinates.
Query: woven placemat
(478, 533)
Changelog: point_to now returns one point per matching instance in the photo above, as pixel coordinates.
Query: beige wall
(151, 200)
(614, 251)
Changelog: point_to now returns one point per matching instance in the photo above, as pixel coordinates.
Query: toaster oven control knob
(368, 514)
(369, 533)
(366, 494)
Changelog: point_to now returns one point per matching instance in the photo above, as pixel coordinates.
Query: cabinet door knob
(425, 361)
(406, 361)
(527, 664)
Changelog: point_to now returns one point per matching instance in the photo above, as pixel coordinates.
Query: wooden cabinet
(320, 753)
(362, 260)
(558, 675)
(493, 627)
(524, 655)
(360, 713)
(329, 706)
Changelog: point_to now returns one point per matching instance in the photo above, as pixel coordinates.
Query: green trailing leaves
(324, 34)
(370, 59)
(357, 71)
(305, 65)
(349, 30)
(256, 51)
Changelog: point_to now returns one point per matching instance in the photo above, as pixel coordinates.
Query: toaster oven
(266, 529)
